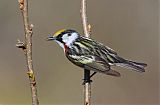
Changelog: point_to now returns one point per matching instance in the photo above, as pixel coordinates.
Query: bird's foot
(88, 80)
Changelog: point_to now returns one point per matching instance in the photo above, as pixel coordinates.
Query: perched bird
(92, 55)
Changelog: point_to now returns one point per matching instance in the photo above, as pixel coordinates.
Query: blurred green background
(128, 26)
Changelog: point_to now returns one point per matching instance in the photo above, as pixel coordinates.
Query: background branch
(87, 30)
(26, 46)
(86, 26)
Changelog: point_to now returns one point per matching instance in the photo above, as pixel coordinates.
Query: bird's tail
(133, 65)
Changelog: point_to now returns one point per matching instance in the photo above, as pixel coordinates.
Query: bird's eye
(69, 34)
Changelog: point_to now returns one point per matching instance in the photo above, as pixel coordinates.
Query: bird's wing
(100, 65)
(97, 45)
(87, 53)
(92, 62)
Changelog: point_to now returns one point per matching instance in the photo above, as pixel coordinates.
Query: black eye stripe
(59, 36)
(60, 40)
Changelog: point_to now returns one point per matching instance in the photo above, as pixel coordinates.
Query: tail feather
(112, 73)
(133, 65)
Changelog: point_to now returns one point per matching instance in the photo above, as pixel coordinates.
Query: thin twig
(26, 46)
(87, 87)
(84, 19)
(87, 30)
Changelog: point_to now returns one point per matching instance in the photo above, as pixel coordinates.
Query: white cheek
(71, 39)
(65, 38)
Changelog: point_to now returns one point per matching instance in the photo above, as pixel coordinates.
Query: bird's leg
(87, 76)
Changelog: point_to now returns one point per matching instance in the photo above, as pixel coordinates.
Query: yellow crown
(58, 32)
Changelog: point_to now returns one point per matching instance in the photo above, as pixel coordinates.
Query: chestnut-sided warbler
(92, 55)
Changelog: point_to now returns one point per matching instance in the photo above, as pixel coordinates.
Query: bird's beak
(50, 38)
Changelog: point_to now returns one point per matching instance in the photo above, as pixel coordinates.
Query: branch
(26, 46)
(86, 26)
(87, 30)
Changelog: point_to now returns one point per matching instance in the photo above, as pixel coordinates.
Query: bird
(92, 55)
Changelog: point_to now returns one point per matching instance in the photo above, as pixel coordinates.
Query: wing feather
(99, 65)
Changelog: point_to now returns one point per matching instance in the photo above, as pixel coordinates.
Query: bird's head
(64, 37)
